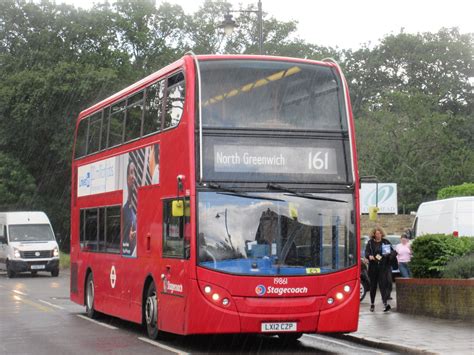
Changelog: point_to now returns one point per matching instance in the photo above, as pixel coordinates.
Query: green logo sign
(385, 192)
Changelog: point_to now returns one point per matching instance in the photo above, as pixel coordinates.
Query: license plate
(279, 327)
(37, 267)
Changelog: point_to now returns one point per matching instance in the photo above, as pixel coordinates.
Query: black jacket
(373, 248)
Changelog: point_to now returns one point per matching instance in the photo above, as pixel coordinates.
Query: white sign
(384, 196)
(98, 177)
(113, 276)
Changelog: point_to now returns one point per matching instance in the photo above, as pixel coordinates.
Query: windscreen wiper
(272, 186)
(232, 192)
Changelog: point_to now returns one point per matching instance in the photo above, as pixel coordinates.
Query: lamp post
(229, 24)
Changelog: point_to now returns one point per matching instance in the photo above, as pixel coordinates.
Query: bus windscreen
(282, 95)
(282, 233)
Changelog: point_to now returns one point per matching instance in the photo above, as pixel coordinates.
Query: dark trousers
(379, 277)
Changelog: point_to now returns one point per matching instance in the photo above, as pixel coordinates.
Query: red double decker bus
(220, 195)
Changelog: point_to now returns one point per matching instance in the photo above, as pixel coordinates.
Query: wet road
(37, 317)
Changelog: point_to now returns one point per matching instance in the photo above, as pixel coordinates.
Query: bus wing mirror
(177, 208)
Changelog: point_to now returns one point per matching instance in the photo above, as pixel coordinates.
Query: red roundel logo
(260, 290)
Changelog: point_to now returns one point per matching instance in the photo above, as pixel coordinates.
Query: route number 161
(318, 161)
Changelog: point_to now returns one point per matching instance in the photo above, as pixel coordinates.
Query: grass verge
(64, 261)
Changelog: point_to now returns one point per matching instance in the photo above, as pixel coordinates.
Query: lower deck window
(100, 229)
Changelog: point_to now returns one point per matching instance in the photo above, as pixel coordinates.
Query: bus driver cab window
(177, 228)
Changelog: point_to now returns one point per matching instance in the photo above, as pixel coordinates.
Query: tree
(407, 141)
(439, 65)
(17, 186)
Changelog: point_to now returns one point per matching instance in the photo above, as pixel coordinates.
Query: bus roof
(177, 64)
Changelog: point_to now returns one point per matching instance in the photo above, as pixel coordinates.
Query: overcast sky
(350, 23)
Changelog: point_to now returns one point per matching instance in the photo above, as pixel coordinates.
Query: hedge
(432, 252)
(459, 268)
(466, 189)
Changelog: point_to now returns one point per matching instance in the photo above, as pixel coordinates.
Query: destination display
(274, 159)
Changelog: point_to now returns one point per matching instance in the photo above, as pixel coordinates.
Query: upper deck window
(271, 95)
(158, 107)
(174, 100)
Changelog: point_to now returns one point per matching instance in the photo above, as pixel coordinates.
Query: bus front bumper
(310, 314)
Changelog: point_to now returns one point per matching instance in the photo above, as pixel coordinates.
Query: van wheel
(90, 294)
(55, 273)
(151, 312)
(10, 273)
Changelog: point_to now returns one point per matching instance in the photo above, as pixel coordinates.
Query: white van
(453, 216)
(27, 243)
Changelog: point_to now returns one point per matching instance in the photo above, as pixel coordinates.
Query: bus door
(175, 265)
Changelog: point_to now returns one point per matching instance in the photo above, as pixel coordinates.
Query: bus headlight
(340, 294)
(55, 252)
(217, 296)
(16, 253)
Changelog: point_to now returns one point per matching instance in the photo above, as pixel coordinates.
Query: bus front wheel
(151, 312)
(90, 294)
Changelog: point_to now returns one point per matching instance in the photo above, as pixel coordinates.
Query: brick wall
(441, 298)
(392, 224)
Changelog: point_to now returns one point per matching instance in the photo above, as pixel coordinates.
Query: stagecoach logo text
(260, 290)
(171, 287)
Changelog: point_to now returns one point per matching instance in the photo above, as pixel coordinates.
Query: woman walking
(380, 253)
(404, 256)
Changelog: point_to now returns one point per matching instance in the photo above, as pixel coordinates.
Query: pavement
(406, 333)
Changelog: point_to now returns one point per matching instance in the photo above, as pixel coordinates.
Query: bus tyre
(55, 273)
(10, 272)
(151, 312)
(90, 293)
(34, 273)
(289, 338)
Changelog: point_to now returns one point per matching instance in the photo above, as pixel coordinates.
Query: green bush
(432, 252)
(466, 189)
(459, 267)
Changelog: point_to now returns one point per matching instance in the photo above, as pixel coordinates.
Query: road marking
(96, 322)
(51, 304)
(19, 292)
(166, 347)
(340, 343)
(33, 304)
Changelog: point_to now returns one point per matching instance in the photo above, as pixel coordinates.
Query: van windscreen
(30, 233)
